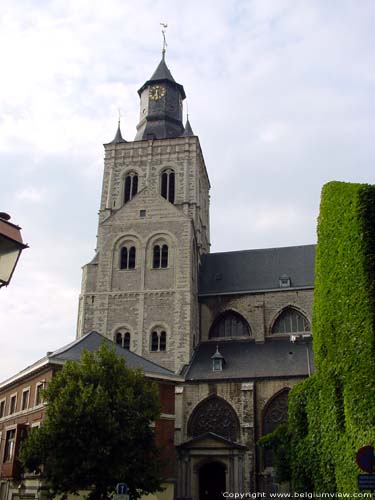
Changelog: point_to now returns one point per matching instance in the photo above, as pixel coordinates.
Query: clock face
(156, 92)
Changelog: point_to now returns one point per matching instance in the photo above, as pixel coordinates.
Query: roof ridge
(261, 249)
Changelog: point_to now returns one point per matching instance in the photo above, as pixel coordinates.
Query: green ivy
(332, 413)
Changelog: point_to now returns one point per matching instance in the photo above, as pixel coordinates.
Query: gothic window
(230, 324)
(291, 321)
(130, 186)
(123, 339)
(168, 184)
(127, 258)
(160, 256)
(158, 341)
(214, 415)
(275, 413)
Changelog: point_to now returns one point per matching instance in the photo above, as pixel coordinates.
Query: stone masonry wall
(142, 299)
(259, 309)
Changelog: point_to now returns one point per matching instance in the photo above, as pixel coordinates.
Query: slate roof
(188, 131)
(244, 359)
(118, 139)
(163, 74)
(247, 271)
(93, 340)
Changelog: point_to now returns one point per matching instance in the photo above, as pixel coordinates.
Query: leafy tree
(97, 430)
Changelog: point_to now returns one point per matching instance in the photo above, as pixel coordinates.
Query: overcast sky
(280, 93)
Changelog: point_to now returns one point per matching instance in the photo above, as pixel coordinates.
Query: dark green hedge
(332, 414)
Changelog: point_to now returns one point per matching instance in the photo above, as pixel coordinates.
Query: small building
(22, 408)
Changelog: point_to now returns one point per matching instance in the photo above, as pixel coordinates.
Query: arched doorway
(211, 481)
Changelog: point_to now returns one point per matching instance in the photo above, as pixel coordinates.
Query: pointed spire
(162, 72)
(118, 139)
(188, 132)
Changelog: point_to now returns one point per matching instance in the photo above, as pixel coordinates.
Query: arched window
(160, 256)
(123, 339)
(130, 186)
(162, 341)
(214, 414)
(291, 321)
(274, 414)
(230, 324)
(168, 184)
(158, 341)
(127, 258)
(127, 340)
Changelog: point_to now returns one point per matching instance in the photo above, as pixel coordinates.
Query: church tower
(141, 287)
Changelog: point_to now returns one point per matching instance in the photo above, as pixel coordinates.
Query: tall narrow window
(2, 408)
(158, 340)
(38, 394)
(162, 341)
(127, 341)
(13, 403)
(131, 186)
(132, 258)
(154, 341)
(168, 185)
(160, 256)
(274, 414)
(123, 339)
(164, 256)
(127, 258)
(10, 445)
(25, 399)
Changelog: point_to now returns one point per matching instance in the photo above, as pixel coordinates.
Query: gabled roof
(91, 342)
(245, 359)
(142, 200)
(250, 271)
(211, 436)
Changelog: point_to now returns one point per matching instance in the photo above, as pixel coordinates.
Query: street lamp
(11, 246)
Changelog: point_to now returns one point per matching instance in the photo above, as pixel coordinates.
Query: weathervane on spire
(165, 26)
(119, 116)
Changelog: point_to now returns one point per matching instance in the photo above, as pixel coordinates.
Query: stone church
(234, 325)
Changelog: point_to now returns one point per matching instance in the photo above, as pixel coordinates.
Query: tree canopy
(97, 430)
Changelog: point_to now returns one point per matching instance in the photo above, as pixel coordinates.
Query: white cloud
(280, 93)
(31, 194)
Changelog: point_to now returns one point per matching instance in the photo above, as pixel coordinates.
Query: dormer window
(217, 361)
(284, 281)
(168, 184)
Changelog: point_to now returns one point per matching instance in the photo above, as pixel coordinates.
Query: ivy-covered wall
(332, 413)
